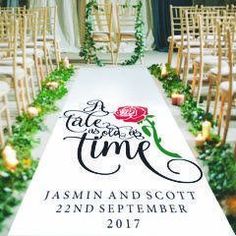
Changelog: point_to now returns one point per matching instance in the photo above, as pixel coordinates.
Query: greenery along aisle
(139, 34)
(17, 165)
(89, 50)
(218, 159)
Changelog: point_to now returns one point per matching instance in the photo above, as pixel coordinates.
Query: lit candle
(200, 140)
(180, 99)
(164, 72)
(9, 157)
(206, 129)
(229, 205)
(174, 99)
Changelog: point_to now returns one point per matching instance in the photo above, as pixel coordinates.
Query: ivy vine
(139, 35)
(89, 50)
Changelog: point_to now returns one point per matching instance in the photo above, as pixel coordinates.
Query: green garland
(23, 140)
(219, 159)
(139, 34)
(89, 50)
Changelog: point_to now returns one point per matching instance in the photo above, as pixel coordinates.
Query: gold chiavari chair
(227, 90)
(9, 34)
(4, 110)
(187, 39)
(102, 32)
(125, 19)
(176, 25)
(42, 34)
(22, 60)
(192, 52)
(51, 35)
(203, 63)
(221, 72)
(33, 50)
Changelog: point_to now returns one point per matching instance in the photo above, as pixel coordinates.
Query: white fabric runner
(143, 197)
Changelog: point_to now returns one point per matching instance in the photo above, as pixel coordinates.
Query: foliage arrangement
(14, 180)
(219, 159)
(89, 50)
(139, 34)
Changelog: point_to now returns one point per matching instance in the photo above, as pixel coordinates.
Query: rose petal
(135, 119)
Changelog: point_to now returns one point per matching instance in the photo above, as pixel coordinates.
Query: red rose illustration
(131, 113)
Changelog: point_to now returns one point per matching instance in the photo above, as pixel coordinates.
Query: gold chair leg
(200, 81)
(209, 95)
(194, 78)
(49, 60)
(58, 51)
(26, 84)
(170, 51)
(8, 118)
(227, 121)
(22, 95)
(185, 72)
(112, 53)
(179, 61)
(2, 140)
(221, 113)
(41, 71)
(30, 72)
(216, 99)
(17, 95)
(118, 50)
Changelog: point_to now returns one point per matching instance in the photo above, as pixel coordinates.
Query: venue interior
(117, 117)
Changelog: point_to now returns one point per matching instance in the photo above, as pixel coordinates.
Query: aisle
(103, 173)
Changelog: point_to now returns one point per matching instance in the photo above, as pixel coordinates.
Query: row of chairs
(207, 46)
(27, 43)
(114, 24)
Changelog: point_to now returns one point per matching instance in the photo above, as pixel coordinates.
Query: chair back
(102, 18)
(126, 18)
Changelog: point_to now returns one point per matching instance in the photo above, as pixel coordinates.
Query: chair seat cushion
(48, 37)
(176, 38)
(4, 88)
(128, 37)
(130, 32)
(185, 44)
(210, 60)
(99, 37)
(224, 71)
(39, 44)
(196, 51)
(4, 45)
(31, 52)
(224, 87)
(19, 61)
(8, 70)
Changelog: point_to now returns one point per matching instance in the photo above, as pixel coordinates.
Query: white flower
(33, 112)
(52, 85)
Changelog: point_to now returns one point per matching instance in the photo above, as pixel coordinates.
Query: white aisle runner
(105, 173)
